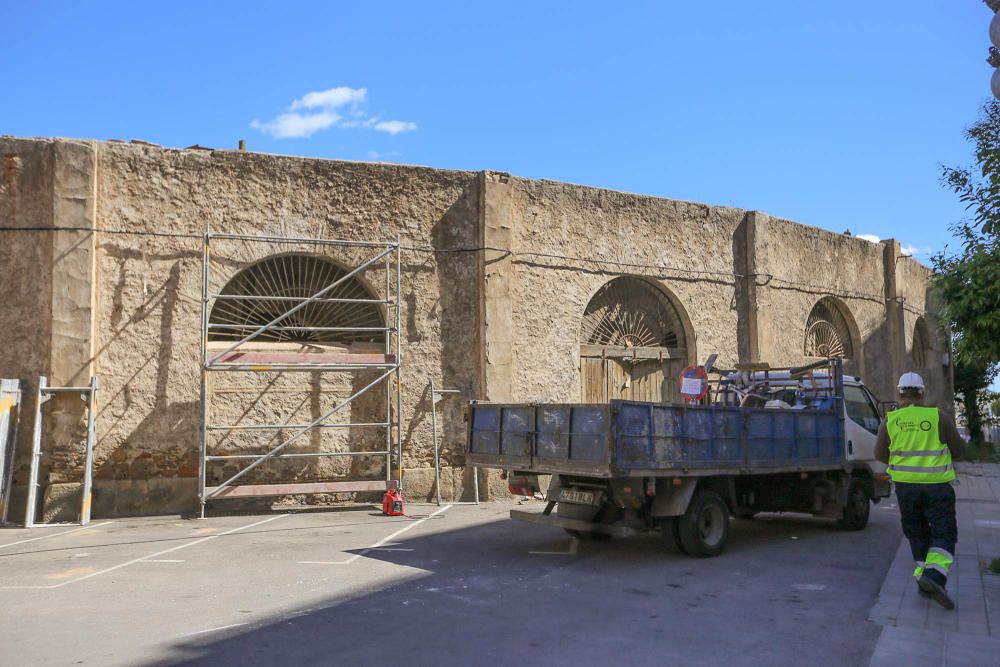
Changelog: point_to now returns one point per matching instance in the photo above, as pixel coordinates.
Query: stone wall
(25, 266)
(150, 288)
(48, 191)
(798, 265)
(567, 242)
(496, 274)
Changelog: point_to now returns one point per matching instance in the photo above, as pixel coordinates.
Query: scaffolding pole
(231, 359)
(43, 394)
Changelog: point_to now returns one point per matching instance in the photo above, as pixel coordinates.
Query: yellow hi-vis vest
(916, 453)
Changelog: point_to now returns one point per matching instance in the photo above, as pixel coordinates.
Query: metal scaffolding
(296, 321)
(43, 395)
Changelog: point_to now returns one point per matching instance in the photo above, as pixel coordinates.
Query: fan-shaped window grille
(827, 332)
(918, 349)
(292, 278)
(629, 312)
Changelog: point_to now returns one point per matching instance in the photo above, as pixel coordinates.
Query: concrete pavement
(443, 586)
(917, 631)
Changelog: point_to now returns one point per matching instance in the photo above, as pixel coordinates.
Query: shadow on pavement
(476, 595)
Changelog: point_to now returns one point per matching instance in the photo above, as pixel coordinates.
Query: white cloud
(332, 98)
(322, 109)
(395, 126)
(294, 125)
(910, 249)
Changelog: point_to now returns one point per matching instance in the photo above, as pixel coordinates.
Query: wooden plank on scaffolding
(257, 358)
(261, 490)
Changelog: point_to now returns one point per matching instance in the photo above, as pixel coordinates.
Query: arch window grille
(273, 286)
(827, 332)
(629, 312)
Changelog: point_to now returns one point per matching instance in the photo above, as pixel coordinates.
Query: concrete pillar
(74, 263)
(745, 265)
(762, 338)
(73, 298)
(497, 230)
(894, 322)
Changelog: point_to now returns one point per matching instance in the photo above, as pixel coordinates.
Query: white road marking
(221, 627)
(573, 544)
(378, 545)
(987, 524)
(809, 587)
(142, 558)
(161, 560)
(65, 532)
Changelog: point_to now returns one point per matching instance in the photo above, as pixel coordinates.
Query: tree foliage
(969, 280)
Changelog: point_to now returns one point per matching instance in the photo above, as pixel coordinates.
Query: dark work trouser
(927, 512)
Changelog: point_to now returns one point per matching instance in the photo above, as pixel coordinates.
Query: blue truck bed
(625, 438)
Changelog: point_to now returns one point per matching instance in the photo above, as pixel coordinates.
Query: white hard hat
(911, 381)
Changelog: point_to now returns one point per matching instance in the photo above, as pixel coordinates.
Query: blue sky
(837, 115)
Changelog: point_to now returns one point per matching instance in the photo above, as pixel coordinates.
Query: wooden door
(603, 379)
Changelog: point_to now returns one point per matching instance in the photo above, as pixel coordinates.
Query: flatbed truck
(766, 440)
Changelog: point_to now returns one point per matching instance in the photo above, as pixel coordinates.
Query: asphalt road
(464, 586)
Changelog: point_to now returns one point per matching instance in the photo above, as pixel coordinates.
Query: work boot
(935, 591)
(922, 592)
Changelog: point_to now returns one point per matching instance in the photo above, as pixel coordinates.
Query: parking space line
(65, 532)
(377, 545)
(221, 627)
(146, 557)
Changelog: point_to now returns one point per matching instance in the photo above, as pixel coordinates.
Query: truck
(752, 439)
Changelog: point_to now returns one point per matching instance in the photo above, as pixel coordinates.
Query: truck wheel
(855, 516)
(669, 528)
(704, 528)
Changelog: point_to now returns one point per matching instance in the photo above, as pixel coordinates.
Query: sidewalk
(917, 631)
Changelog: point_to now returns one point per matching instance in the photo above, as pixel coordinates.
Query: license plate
(577, 497)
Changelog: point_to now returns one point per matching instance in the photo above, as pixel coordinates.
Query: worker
(918, 444)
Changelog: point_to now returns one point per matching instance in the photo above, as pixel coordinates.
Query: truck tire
(668, 526)
(858, 508)
(704, 528)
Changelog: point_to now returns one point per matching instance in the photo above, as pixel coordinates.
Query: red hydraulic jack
(392, 503)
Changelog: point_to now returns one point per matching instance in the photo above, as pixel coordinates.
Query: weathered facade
(507, 285)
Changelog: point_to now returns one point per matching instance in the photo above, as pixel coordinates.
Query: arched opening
(266, 289)
(831, 332)
(634, 342)
(920, 345)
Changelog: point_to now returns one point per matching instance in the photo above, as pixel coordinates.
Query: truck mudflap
(543, 519)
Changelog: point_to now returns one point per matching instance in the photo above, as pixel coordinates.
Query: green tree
(971, 390)
(969, 280)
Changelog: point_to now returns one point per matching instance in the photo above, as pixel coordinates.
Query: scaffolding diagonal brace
(340, 406)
